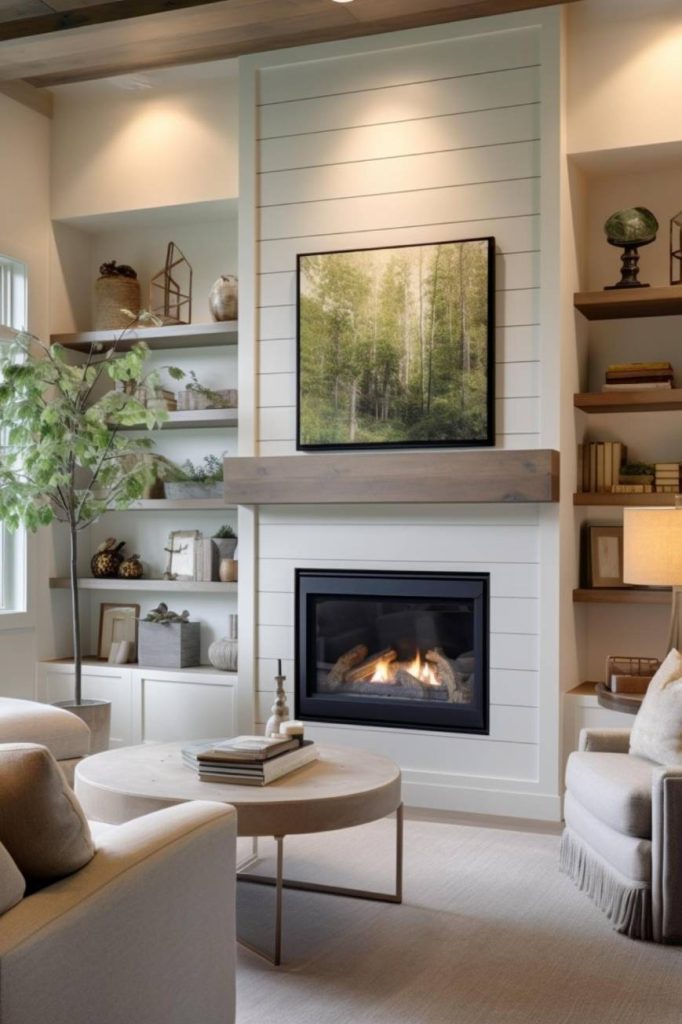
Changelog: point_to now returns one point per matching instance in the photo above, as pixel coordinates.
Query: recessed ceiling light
(343, 1)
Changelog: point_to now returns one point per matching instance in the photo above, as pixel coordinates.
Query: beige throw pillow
(42, 824)
(12, 884)
(657, 732)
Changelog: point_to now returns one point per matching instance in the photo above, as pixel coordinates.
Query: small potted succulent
(117, 296)
(225, 540)
(168, 639)
(637, 473)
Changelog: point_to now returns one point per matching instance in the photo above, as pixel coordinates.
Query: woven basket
(112, 294)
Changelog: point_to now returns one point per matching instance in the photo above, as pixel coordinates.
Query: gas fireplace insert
(401, 649)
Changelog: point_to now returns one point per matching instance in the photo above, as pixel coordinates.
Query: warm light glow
(652, 546)
(343, 1)
(385, 671)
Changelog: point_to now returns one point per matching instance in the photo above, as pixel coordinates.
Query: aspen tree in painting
(395, 346)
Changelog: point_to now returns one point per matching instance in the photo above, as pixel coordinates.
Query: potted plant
(202, 481)
(168, 639)
(64, 456)
(225, 540)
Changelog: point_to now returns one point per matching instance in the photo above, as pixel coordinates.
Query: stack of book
(638, 376)
(599, 466)
(667, 478)
(248, 760)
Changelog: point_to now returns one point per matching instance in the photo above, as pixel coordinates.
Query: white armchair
(143, 934)
(622, 843)
(65, 735)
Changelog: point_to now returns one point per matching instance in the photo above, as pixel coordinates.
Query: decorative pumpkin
(107, 558)
(223, 653)
(131, 568)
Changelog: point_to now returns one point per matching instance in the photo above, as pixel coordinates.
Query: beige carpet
(489, 933)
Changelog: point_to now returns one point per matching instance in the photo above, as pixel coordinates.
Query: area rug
(489, 933)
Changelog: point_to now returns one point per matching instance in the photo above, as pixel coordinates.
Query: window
(13, 571)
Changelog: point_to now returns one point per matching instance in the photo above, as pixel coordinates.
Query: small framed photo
(182, 554)
(118, 625)
(604, 556)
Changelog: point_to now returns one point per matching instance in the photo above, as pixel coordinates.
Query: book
(239, 750)
(267, 772)
(660, 365)
(638, 386)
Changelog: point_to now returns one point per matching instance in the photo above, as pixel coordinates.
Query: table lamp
(652, 555)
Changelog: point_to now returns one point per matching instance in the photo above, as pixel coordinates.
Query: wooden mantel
(429, 477)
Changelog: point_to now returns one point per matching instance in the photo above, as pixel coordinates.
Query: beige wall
(624, 73)
(24, 235)
(161, 144)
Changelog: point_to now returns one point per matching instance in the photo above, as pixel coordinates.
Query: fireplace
(400, 649)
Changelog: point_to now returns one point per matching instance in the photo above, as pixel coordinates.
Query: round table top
(344, 787)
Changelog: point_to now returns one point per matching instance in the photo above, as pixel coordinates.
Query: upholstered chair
(622, 843)
(28, 721)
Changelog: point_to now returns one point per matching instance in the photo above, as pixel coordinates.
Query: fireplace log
(339, 671)
(410, 682)
(366, 670)
(446, 675)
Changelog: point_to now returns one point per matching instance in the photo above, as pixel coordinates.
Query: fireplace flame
(421, 670)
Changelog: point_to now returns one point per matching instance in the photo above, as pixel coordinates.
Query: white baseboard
(452, 796)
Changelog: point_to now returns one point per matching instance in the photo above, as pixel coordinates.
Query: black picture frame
(432, 431)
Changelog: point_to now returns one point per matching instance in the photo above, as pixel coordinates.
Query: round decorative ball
(223, 654)
(104, 565)
(634, 226)
(222, 298)
(131, 568)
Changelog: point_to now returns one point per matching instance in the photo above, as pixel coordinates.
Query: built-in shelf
(625, 500)
(629, 703)
(198, 418)
(654, 400)
(621, 595)
(157, 338)
(181, 505)
(189, 586)
(394, 477)
(630, 302)
(197, 670)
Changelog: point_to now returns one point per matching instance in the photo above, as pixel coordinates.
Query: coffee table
(346, 787)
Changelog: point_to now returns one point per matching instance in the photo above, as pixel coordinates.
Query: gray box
(173, 645)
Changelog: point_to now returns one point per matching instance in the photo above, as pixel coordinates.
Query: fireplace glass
(395, 649)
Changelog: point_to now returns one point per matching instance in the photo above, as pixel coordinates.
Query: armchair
(143, 933)
(28, 721)
(622, 843)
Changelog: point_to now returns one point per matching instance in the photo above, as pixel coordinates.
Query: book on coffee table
(239, 750)
(258, 774)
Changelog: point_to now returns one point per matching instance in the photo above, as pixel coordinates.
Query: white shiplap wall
(396, 144)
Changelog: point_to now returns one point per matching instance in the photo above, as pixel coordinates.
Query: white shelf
(197, 419)
(197, 670)
(178, 505)
(188, 586)
(209, 335)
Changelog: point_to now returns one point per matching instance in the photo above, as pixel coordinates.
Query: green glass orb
(636, 226)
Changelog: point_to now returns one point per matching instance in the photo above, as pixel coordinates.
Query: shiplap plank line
(399, 174)
(392, 104)
(494, 127)
(287, 446)
(415, 514)
(511, 233)
(489, 200)
(382, 68)
(512, 270)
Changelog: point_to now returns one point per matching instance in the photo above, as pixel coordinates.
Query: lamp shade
(652, 546)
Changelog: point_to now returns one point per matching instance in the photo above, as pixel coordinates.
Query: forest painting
(395, 346)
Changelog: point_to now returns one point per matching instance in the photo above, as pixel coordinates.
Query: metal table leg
(280, 883)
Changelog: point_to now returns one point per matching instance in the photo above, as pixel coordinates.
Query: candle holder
(280, 709)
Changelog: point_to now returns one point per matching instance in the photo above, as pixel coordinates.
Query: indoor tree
(64, 456)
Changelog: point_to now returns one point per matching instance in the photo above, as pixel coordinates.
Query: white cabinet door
(185, 706)
(105, 682)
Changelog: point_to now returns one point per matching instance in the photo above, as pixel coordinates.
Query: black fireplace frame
(313, 706)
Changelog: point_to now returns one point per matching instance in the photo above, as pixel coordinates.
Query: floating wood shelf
(630, 302)
(190, 586)
(621, 595)
(157, 338)
(655, 400)
(625, 500)
(199, 418)
(426, 476)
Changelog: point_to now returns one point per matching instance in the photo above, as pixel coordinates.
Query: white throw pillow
(12, 884)
(657, 732)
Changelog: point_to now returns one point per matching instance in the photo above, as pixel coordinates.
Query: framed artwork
(605, 556)
(117, 625)
(395, 347)
(182, 554)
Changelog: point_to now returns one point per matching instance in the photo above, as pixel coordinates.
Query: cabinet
(150, 704)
